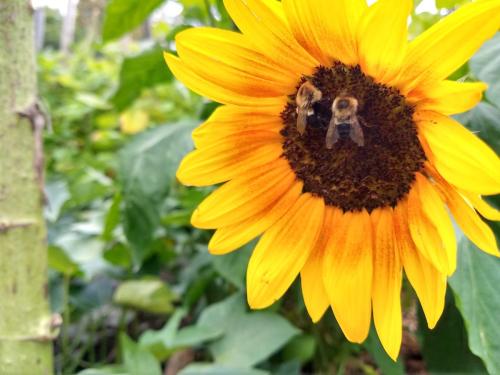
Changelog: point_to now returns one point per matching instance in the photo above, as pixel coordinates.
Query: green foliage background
(133, 280)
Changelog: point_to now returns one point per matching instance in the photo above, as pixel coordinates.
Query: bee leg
(363, 122)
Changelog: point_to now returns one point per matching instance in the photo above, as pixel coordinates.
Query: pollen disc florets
(349, 175)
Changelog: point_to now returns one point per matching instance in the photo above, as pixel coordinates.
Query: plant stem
(66, 320)
(26, 325)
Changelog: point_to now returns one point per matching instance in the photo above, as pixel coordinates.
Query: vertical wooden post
(25, 321)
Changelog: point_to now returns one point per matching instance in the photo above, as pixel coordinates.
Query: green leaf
(60, 261)
(386, 365)
(139, 72)
(123, 16)
(445, 348)
(195, 335)
(138, 360)
(249, 337)
(233, 266)
(148, 295)
(485, 65)
(146, 169)
(106, 370)
(57, 194)
(119, 255)
(220, 314)
(216, 369)
(475, 285)
(484, 120)
(300, 348)
(112, 218)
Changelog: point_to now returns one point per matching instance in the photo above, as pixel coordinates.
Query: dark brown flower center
(353, 175)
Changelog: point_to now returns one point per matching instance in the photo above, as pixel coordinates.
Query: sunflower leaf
(137, 359)
(485, 64)
(445, 348)
(139, 72)
(475, 285)
(123, 16)
(146, 169)
(249, 338)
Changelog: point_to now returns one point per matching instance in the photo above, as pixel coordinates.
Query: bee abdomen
(344, 130)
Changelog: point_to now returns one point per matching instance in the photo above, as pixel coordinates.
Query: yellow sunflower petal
(228, 158)
(211, 90)
(347, 274)
(313, 290)
(481, 206)
(449, 97)
(232, 237)
(282, 252)
(230, 120)
(266, 27)
(447, 45)
(224, 58)
(469, 221)
(326, 37)
(245, 196)
(383, 36)
(428, 282)
(387, 277)
(459, 156)
(430, 226)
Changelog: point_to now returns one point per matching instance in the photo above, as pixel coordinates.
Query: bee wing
(332, 135)
(301, 120)
(356, 133)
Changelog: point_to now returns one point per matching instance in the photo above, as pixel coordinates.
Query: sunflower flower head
(335, 147)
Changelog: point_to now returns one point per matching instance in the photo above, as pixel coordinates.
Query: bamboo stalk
(26, 327)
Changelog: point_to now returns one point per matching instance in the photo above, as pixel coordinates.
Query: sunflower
(335, 147)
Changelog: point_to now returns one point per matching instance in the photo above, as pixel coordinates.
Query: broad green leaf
(119, 255)
(485, 65)
(217, 369)
(252, 338)
(146, 169)
(57, 194)
(249, 338)
(160, 342)
(177, 218)
(475, 285)
(123, 16)
(195, 335)
(301, 348)
(445, 348)
(220, 314)
(167, 333)
(386, 365)
(138, 360)
(484, 120)
(170, 338)
(147, 165)
(148, 295)
(233, 266)
(106, 370)
(60, 261)
(112, 218)
(139, 72)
